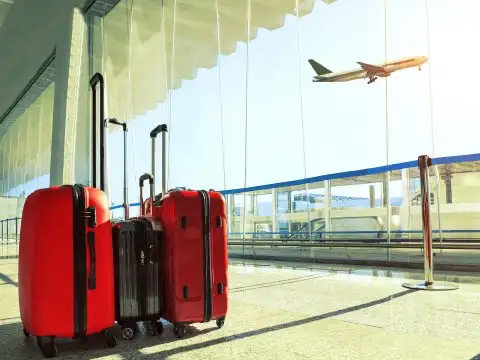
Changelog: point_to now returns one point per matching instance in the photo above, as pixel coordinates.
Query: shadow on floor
(270, 329)
(14, 346)
(8, 280)
(277, 283)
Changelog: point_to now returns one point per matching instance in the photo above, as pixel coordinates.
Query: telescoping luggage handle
(97, 79)
(153, 134)
(125, 168)
(151, 181)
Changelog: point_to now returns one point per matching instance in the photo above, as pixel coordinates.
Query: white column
(327, 198)
(387, 203)
(274, 214)
(230, 208)
(68, 60)
(405, 210)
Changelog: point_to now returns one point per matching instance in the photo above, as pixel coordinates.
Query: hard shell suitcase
(138, 285)
(66, 282)
(195, 259)
(137, 254)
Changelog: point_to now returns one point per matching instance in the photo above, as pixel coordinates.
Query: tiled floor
(307, 312)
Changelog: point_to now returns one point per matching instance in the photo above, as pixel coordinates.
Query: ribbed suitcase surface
(137, 272)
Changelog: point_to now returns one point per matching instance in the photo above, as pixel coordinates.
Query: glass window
(25, 143)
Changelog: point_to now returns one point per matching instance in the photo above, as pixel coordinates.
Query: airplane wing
(369, 68)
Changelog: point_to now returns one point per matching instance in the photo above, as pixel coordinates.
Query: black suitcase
(138, 284)
(137, 251)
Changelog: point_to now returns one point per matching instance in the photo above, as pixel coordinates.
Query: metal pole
(153, 163)
(125, 181)
(164, 162)
(424, 162)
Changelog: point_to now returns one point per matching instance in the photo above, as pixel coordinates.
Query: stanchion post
(424, 163)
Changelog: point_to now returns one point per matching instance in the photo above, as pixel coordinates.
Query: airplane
(367, 71)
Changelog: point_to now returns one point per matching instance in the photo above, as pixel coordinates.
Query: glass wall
(357, 211)
(25, 152)
(233, 80)
(25, 144)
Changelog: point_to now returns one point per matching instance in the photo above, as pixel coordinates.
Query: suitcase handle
(92, 276)
(153, 135)
(125, 181)
(151, 181)
(94, 81)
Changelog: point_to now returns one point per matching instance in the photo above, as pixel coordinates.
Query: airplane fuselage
(371, 72)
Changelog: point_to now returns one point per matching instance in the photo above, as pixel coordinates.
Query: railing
(9, 237)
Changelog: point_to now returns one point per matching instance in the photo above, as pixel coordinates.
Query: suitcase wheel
(156, 328)
(26, 333)
(220, 322)
(179, 330)
(47, 346)
(110, 338)
(128, 331)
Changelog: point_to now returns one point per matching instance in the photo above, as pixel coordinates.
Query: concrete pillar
(405, 211)
(68, 59)
(274, 214)
(387, 204)
(253, 204)
(291, 208)
(327, 205)
(386, 192)
(230, 209)
(447, 178)
(372, 196)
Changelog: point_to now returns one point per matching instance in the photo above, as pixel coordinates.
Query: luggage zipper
(207, 258)
(79, 262)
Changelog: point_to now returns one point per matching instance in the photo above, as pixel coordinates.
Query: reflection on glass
(25, 145)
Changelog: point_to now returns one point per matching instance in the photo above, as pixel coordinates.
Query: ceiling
(5, 6)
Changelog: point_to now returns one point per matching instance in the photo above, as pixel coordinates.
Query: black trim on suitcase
(92, 276)
(208, 301)
(79, 262)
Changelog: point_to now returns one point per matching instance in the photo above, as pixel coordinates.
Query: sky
(344, 124)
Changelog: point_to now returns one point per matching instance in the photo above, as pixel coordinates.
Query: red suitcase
(195, 259)
(65, 270)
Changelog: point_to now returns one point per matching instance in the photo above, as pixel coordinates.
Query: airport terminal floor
(296, 311)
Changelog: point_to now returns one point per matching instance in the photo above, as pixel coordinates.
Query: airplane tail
(319, 69)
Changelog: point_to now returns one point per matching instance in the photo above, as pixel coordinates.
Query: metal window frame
(99, 8)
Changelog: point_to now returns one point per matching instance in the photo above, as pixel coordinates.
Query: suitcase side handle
(92, 276)
(94, 81)
(151, 181)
